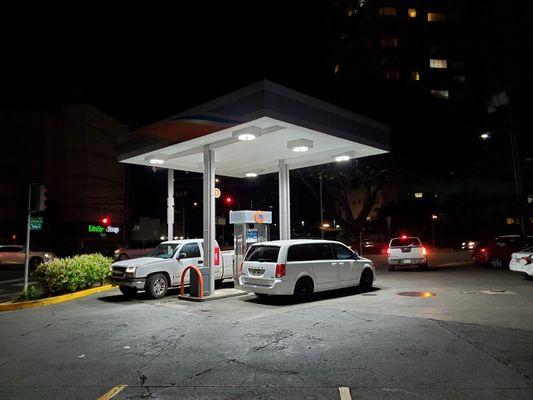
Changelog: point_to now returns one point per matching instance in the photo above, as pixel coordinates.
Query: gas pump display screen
(251, 236)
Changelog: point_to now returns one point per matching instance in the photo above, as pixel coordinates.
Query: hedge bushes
(65, 275)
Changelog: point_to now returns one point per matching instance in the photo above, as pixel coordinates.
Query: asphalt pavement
(471, 340)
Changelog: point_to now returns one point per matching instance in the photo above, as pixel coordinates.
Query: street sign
(36, 223)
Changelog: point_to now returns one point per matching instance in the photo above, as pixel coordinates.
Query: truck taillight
(280, 270)
(388, 251)
(424, 251)
(217, 255)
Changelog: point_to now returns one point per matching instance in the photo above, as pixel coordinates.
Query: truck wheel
(423, 266)
(392, 267)
(218, 283)
(157, 286)
(365, 283)
(128, 291)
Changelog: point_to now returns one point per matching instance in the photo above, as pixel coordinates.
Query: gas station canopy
(260, 129)
(252, 129)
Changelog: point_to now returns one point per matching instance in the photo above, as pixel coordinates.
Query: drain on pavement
(417, 294)
(497, 291)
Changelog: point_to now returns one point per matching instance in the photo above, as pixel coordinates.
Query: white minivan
(302, 267)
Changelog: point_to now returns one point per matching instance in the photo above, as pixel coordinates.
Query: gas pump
(249, 227)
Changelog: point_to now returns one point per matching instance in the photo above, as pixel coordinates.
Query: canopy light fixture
(251, 175)
(156, 159)
(300, 145)
(248, 133)
(344, 156)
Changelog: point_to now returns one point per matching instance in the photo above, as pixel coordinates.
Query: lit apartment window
(411, 12)
(391, 74)
(440, 94)
(415, 75)
(389, 42)
(438, 63)
(390, 11)
(436, 17)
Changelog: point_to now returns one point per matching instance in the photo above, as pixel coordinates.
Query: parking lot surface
(472, 339)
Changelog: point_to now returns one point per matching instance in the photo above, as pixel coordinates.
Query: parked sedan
(522, 261)
(10, 255)
(135, 250)
(496, 252)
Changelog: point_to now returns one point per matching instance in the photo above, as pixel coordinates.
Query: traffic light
(38, 198)
(105, 221)
(228, 200)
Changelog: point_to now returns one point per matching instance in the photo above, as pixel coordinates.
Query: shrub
(65, 275)
(32, 294)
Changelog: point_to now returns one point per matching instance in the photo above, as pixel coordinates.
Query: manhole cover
(417, 294)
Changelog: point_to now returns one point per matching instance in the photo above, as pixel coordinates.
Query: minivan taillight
(280, 270)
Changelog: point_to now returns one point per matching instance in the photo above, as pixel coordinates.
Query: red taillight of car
(483, 250)
(424, 251)
(388, 251)
(280, 270)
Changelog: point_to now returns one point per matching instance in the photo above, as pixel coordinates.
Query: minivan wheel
(303, 290)
(157, 286)
(496, 262)
(365, 283)
(128, 291)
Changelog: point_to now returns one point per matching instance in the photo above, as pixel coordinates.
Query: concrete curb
(10, 306)
(216, 296)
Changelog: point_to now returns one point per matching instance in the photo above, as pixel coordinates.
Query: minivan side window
(191, 249)
(309, 252)
(341, 252)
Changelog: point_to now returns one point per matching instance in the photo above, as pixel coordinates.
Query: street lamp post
(434, 217)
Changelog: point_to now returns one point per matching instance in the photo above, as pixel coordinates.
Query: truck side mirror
(182, 255)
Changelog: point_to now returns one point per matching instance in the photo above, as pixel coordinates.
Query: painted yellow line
(113, 392)
(9, 306)
(345, 393)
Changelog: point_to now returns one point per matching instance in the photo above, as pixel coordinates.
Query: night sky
(143, 63)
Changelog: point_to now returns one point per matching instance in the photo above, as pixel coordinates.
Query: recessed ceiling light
(300, 145)
(344, 156)
(251, 175)
(248, 133)
(156, 159)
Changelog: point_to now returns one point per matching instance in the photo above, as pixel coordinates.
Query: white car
(10, 255)
(406, 250)
(162, 268)
(522, 261)
(302, 267)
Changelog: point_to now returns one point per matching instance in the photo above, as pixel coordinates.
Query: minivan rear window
(263, 254)
(412, 241)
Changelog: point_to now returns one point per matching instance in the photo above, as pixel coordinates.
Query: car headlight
(48, 255)
(131, 269)
(117, 251)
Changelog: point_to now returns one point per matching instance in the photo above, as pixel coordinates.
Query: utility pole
(321, 207)
(27, 257)
(502, 100)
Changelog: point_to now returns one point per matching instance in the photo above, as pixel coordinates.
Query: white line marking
(344, 392)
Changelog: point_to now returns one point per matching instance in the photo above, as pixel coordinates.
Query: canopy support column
(284, 201)
(209, 218)
(170, 204)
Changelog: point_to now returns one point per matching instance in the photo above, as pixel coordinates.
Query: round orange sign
(259, 217)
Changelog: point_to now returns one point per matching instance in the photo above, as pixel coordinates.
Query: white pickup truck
(162, 268)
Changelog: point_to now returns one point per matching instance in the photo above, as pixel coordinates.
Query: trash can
(194, 288)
